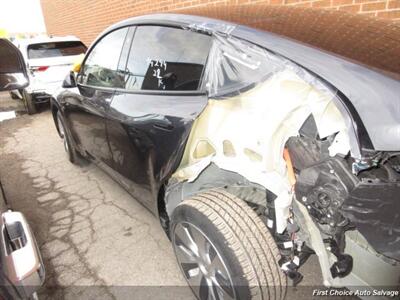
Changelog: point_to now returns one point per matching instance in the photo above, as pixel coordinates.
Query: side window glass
(101, 66)
(165, 58)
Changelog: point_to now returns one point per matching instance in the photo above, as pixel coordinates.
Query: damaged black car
(253, 149)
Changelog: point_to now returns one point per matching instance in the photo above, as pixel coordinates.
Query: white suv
(49, 59)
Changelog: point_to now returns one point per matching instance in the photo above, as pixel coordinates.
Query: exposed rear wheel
(224, 250)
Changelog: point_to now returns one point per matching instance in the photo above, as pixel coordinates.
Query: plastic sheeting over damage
(257, 101)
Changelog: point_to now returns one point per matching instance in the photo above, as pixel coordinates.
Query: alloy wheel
(201, 263)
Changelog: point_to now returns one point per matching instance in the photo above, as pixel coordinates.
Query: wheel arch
(173, 192)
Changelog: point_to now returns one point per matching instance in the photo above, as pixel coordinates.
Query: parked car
(21, 266)
(48, 59)
(252, 149)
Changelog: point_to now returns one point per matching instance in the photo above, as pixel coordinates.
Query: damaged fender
(245, 132)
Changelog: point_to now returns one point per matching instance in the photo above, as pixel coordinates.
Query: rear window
(55, 49)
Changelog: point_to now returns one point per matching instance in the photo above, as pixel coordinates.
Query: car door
(150, 119)
(13, 73)
(85, 106)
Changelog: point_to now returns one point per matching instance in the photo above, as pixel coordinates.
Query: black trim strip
(145, 92)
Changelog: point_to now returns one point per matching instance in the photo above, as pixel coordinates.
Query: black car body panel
(85, 111)
(136, 136)
(147, 135)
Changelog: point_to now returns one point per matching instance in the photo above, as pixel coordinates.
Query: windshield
(54, 49)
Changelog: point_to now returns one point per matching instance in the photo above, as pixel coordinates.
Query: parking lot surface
(97, 242)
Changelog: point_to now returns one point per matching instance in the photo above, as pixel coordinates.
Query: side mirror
(70, 80)
(13, 73)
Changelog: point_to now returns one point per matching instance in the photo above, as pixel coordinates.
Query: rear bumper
(42, 91)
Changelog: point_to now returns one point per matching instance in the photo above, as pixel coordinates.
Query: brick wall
(87, 18)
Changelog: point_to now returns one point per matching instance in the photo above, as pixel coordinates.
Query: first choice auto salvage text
(356, 292)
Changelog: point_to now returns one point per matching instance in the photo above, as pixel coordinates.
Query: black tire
(28, 102)
(247, 248)
(68, 146)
